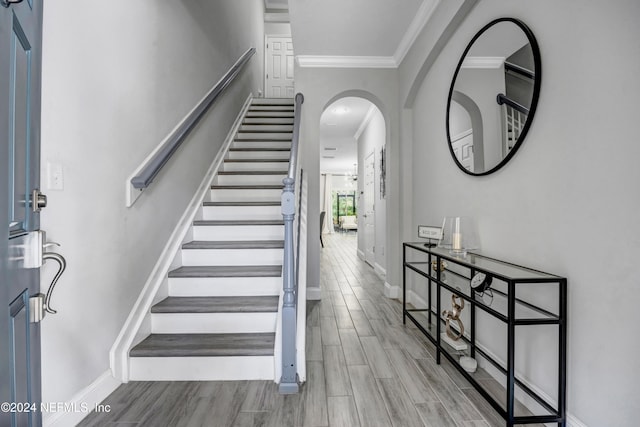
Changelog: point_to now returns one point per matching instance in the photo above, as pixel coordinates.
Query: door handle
(62, 265)
(40, 304)
(7, 3)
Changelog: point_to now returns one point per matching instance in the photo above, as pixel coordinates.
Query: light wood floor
(364, 368)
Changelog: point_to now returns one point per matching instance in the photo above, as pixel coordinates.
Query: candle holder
(458, 235)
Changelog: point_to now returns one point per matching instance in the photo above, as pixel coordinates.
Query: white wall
(321, 87)
(372, 140)
(567, 201)
(116, 80)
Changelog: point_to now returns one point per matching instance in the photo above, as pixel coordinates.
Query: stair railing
(171, 143)
(514, 116)
(290, 344)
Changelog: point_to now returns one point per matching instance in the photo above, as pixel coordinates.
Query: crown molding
(327, 61)
(365, 122)
(423, 15)
(487, 62)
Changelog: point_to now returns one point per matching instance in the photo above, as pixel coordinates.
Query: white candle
(457, 241)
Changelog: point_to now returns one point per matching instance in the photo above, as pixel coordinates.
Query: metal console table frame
(456, 276)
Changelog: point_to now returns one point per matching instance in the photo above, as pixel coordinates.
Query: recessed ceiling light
(341, 110)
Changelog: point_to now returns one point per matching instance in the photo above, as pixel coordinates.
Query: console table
(520, 298)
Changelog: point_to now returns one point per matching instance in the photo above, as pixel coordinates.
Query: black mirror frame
(534, 100)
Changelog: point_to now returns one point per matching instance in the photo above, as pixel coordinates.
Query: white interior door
(369, 209)
(279, 69)
(20, 42)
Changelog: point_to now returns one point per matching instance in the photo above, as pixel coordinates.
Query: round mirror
(493, 96)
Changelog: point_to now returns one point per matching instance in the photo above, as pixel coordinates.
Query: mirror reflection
(493, 96)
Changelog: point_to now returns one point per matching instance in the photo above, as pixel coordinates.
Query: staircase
(218, 321)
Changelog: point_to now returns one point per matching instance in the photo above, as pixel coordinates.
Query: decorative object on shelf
(458, 235)
(455, 316)
(481, 282)
(469, 364)
(443, 265)
(493, 96)
(430, 233)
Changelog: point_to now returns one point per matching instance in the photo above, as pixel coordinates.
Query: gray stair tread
(256, 160)
(228, 271)
(238, 244)
(243, 304)
(203, 345)
(262, 140)
(253, 172)
(239, 222)
(278, 203)
(263, 131)
(247, 187)
(261, 149)
(266, 138)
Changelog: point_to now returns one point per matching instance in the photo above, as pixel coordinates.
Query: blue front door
(20, 65)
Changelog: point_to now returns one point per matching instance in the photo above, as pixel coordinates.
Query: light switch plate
(429, 232)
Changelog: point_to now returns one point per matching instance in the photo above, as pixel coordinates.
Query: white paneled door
(279, 69)
(20, 202)
(369, 209)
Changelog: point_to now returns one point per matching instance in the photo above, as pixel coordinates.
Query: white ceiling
(339, 124)
(356, 33)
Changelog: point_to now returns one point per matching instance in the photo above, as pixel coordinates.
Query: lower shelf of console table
(521, 298)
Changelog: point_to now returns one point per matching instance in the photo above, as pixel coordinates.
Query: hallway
(363, 368)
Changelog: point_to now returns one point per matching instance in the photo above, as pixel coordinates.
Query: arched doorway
(353, 137)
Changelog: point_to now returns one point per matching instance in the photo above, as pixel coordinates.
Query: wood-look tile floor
(364, 368)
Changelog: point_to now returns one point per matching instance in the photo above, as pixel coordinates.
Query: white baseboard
(572, 421)
(83, 402)
(391, 291)
(380, 271)
(361, 254)
(119, 353)
(314, 293)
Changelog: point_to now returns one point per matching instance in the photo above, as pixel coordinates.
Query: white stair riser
(264, 136)
(261, 144)
(239, 232)
(241, 212)
(250, 179)
(258, 155)
(268, 120)
(258, 107)
(195, 257)
(271, 101)
(245, 195)
(224, 286)
(254, 166)
(269, 128)
(212, 323)
(201, 368)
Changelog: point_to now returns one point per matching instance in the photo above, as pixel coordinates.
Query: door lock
(38, 200)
